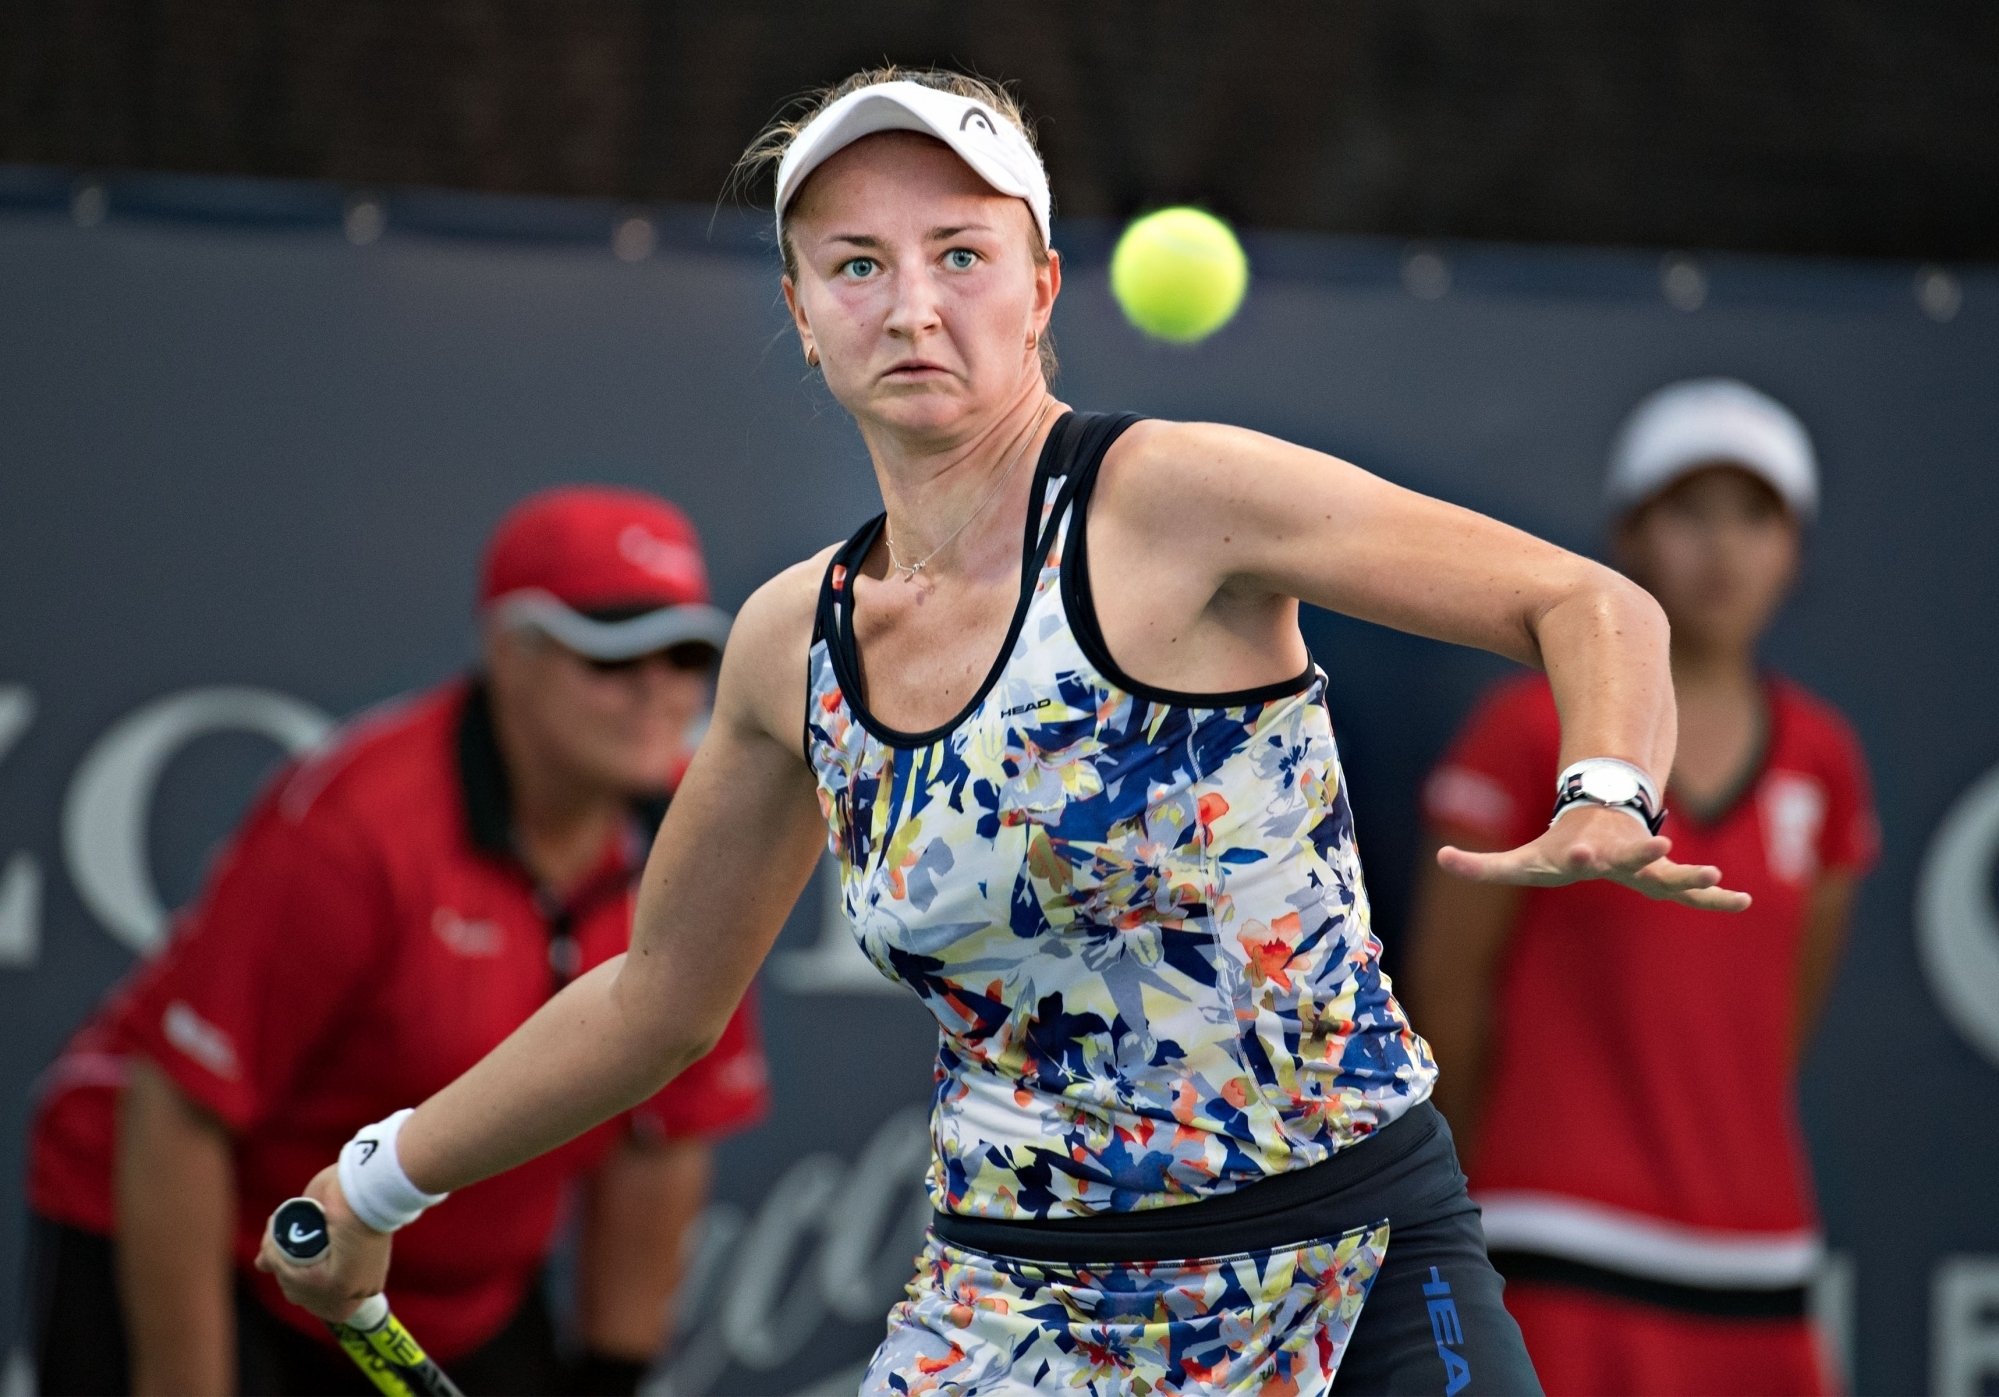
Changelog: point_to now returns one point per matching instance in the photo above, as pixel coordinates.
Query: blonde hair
(766, 152)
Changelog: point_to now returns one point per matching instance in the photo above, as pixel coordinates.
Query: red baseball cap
(611, 573)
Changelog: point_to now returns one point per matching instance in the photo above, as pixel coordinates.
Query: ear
(1047, 286)
(796, 306)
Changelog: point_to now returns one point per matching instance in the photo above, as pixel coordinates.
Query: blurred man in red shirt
(392, 907)
(1620, 1073)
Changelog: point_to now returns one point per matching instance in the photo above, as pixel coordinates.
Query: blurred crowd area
(1856, 127)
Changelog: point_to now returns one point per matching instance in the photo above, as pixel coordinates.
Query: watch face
(1612, 785)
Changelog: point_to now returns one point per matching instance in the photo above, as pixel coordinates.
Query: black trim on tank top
(835, 622)
(1081, 607)
(1538, 1268)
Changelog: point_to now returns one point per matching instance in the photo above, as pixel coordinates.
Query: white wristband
(372, 1177)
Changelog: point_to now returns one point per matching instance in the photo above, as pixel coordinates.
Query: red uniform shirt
(1640, 1055)
(365, 938)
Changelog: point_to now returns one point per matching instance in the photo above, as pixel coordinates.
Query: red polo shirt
(365, 938)
(1640, 1056)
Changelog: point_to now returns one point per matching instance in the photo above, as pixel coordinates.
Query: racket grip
(299, 1229)
(371, 1314)
(372, 1337)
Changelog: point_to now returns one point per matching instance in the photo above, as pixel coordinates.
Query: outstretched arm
(737, 847)
(1252, 522)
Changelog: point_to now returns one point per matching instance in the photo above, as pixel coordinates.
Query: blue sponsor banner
(253, 436)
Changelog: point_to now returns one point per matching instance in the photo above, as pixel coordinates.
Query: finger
(1600, 859)
(1586, 861)
(1525, 867)
(325, 1296)
(1669, 877)
(331, 1308)
(1461, 862)
(1481, 868)
(1714, 899)
(1618, 856)
(1694, 885)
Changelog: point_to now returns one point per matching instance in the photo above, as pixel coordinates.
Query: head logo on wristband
(372, 1177)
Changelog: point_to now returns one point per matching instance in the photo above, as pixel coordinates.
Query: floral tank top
(1136, 915)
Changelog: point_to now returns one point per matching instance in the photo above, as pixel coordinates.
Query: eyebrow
(935, 235)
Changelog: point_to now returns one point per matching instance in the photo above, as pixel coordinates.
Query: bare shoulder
(764, 670)
(783, 606)
(1162, 471)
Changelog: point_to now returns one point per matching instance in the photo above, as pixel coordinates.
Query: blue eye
(961, 259)
(860, 266)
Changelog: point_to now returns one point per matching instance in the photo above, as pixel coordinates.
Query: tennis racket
(373, 1338)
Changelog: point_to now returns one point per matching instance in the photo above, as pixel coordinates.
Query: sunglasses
(689, 657)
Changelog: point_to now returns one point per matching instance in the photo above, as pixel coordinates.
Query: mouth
(914, 371)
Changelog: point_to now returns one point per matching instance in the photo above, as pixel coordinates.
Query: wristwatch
(1613, 784)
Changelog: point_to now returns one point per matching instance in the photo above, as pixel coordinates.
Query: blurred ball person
(395, 905)
(1619, 1072)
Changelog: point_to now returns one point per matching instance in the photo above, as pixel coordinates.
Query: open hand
(354, 1266)
(1591, 841)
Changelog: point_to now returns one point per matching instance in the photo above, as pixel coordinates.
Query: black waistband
(1407, 1170)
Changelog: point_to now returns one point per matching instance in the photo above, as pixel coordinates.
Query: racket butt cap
(299, 1229)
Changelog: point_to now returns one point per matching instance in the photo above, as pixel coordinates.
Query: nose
(915, 312)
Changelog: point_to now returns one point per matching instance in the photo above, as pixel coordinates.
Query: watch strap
(1644, 805)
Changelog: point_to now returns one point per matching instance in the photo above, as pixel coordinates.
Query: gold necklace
(909, 570)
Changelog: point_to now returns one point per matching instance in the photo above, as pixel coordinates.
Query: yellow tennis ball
(1179, 274)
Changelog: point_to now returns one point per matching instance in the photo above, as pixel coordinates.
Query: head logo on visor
(995, 148)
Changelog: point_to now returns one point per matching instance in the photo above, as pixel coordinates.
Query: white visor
(1708, 422)
(650, 631)
(993, 146)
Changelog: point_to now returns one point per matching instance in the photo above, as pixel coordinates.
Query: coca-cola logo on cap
(673, 563)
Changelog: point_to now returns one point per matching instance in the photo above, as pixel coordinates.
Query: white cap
(993, 146)
(1705, 422)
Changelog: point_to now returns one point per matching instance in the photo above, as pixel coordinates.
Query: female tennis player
(1054, 709)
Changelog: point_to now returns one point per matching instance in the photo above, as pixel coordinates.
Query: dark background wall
(238, 449)
(1858, 127)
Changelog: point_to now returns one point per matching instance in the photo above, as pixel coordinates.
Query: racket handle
(371, 1314)
(372, 1337)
